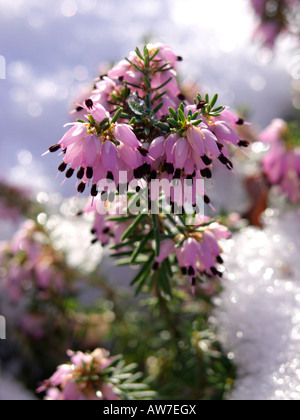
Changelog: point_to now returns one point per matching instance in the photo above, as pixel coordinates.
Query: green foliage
(126, 381)
(174, 345)
(207, 106)
(291, 135)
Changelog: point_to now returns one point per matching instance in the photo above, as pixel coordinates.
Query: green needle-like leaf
(144, 272)
(117, 115)
(131, 228)
(157, 234)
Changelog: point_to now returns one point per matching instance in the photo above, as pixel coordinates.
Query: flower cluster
(281, 164)
(138, 123)
(35, 281)
(199, 252)
(31, 265)
(91, 376)
(164, 241)
(276, 17)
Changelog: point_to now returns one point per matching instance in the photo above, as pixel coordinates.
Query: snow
(258, 314)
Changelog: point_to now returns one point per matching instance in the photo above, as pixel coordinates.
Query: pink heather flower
(96, 156)
(108, 232)
(199, 254)
(281, 164)
(36, 273)
(127, 72)
(169, 101)
(81, 379)
(165, 54)
(282, 168)
(102, 92)
(274, 132)
(166, 249)
(198, 148)
(161, 78)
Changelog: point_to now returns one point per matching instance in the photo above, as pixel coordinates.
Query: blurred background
(54, 50)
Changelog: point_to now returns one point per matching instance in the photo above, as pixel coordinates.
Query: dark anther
(193, 281)
(220, 260)
(94, 191)
(54, 148)
(93, 231)
(201, 105)
(110, 176)
(79, 108)
(89, 103)
(243, 143)
(94, 241)
(181, 97)
(223, 159)
(80, 213)
(155, 266)
(206, 199)
(139, 172)
(102, 76)
(62, 167)
(106, 231)
(191, 271)
(206, 173)
(143, 151)
(81, 187)
(229, 165)
(184, 271)
(138, 189)
(121, 78)
(179, 58)
(177, 174)
(206, 160)
(170, 168)
(220, 146)
(70, 173)
(147, 168)
(80, 173)
(153, 175)
(214, 271)
(64, 151)
(240, 121)
(89, 173)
